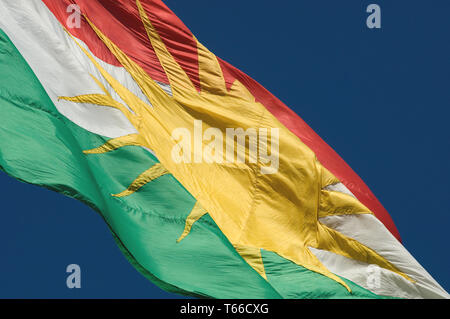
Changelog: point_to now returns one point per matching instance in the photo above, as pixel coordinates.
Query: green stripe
(40, 146)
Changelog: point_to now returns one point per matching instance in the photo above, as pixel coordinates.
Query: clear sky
(380, 98)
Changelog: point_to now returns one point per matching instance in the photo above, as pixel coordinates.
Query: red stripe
(120, 21)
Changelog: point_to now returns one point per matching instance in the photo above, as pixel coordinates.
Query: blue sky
(380, 98)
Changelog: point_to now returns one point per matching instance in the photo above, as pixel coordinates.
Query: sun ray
(197, 212)
(253, 257)
(149, 175)
(150, 88)
(100, 99)
(177, 76)
(135, 103)
(239, 90)
(338, 243)
(100, 84)
(210, 72)
(327, 177)
(337, 203)
(115, 143)
(311, 262)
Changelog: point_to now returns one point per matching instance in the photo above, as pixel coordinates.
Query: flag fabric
(91, 93)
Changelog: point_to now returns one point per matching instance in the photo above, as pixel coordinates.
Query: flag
(210, 185)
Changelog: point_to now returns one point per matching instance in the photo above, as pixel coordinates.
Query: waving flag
(117, 104)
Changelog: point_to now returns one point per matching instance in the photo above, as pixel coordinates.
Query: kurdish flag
(105, 101)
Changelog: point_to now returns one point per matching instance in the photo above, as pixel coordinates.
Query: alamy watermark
(74, 279)
(374, 19)
(235, 145)
(74, 18)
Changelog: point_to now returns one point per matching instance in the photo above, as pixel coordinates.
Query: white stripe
(339, 187)
(368, 230)
(378, 280)
(63, 68)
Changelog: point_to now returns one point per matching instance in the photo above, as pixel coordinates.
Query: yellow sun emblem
(278, 212)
